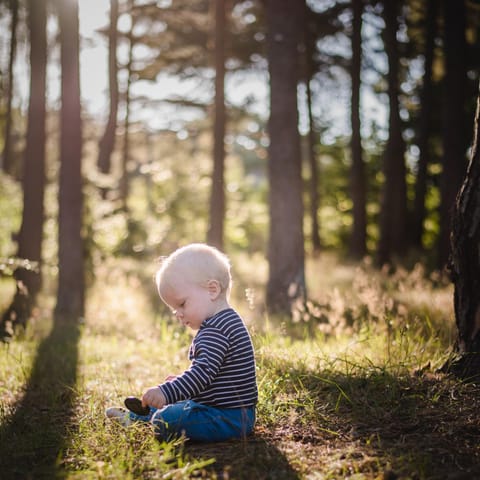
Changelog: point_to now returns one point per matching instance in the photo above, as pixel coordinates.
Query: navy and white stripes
(222, 372)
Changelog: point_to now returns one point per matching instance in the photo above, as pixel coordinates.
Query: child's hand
(154, 398)
(170, 378)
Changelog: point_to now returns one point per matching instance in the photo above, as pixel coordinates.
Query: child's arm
(210, 350)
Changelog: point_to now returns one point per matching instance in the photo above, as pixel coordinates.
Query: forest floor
(364, 403)
(411, 440)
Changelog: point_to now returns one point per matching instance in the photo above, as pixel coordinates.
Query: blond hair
(199, 263)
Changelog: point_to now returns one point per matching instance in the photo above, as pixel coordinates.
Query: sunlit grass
(125, 347)
(357, 366)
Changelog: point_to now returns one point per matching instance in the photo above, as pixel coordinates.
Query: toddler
(215, 398)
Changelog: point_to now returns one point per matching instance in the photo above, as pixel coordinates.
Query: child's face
(191, 303)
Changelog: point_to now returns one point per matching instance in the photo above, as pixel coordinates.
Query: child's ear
(214, 289)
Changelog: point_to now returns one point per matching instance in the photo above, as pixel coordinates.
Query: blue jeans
(199, 422)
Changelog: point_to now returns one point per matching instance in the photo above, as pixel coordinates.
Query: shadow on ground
(418, 426)
(32, 438)
(424, 426)
(256, 458)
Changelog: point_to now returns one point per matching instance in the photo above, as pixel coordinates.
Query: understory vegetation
(351, 389)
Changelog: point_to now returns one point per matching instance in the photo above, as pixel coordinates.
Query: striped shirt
(222, 372)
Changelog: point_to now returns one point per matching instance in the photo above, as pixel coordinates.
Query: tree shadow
(255, 457)
(434, 427)
(32, 438)
(419, 426)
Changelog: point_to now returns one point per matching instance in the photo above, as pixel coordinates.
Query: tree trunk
(358, 246)
(465, 265)
(7, 156)
(286, 281)
(31, 231)
(107, 143)
(393, 215)
(217, 198)
(454, 143)
(124, 180)
(314, 175)
(312, 160)
(71, 282)
(425, 128)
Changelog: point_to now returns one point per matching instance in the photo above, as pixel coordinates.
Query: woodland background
(322, 145)
(386, 96)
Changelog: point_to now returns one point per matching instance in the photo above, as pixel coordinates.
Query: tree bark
(71, 282)
(465, 265)
(312, 159)
(454, 143)
(425, 128)
(393, 215)
(107, 142)
(286, 281)
(217, 198)
(314, 175)
(31, 230)
(7, 155)
(124, 179)
(358, 240)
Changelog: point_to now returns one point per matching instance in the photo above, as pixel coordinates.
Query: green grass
(348, 391)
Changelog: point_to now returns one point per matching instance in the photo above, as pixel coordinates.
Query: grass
(350, 390)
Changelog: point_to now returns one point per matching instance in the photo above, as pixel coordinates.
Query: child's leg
(202, 423)
(142, 418)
